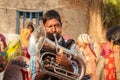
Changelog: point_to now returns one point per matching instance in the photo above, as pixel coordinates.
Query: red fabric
(110, 67)
(26, 53)
(109, 63)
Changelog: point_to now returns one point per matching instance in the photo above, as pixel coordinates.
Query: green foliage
(111, 13)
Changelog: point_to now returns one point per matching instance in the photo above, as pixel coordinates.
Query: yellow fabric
(25, 34)
(13, 49)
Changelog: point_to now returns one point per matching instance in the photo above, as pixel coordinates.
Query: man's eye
(49, 26)
(57, 25)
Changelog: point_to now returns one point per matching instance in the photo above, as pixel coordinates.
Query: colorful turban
(85, 38)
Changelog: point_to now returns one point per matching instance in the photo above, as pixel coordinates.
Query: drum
(17, 69)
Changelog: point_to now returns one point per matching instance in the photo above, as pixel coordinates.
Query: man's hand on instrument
(63, 60)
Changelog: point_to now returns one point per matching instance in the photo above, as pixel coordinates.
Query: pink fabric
(106, 49)
(66, 37)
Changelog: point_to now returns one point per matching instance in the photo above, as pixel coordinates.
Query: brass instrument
(38, 41)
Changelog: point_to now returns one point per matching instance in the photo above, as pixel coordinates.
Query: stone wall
(74, 14)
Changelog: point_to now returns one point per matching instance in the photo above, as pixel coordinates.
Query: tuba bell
(39, 42)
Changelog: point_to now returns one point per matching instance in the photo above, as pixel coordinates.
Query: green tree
(111, 13)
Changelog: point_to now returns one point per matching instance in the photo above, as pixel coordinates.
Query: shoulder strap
(91, 46)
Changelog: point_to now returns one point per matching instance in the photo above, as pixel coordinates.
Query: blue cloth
(87, 77)
(2, 53)
(33, 66)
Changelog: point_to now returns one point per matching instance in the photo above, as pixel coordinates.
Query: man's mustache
(51, 36)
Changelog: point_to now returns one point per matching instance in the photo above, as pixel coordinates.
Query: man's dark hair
(113, 34)
(30, 24)
(51, 14)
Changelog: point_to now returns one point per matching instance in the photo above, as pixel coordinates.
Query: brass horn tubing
(60, 75)
(49, 72)
(62, 69)
(72, 56)
(64, 74)
(66, 51)
(67, 72)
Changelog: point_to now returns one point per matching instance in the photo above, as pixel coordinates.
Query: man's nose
(54, 29)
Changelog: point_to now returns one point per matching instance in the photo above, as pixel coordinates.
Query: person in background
(3, 45)
(25, 35)
(88, 51)
(111, 55)
(52, 24)
(30, 26)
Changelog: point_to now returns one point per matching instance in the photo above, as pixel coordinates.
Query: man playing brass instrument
(52, 24)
